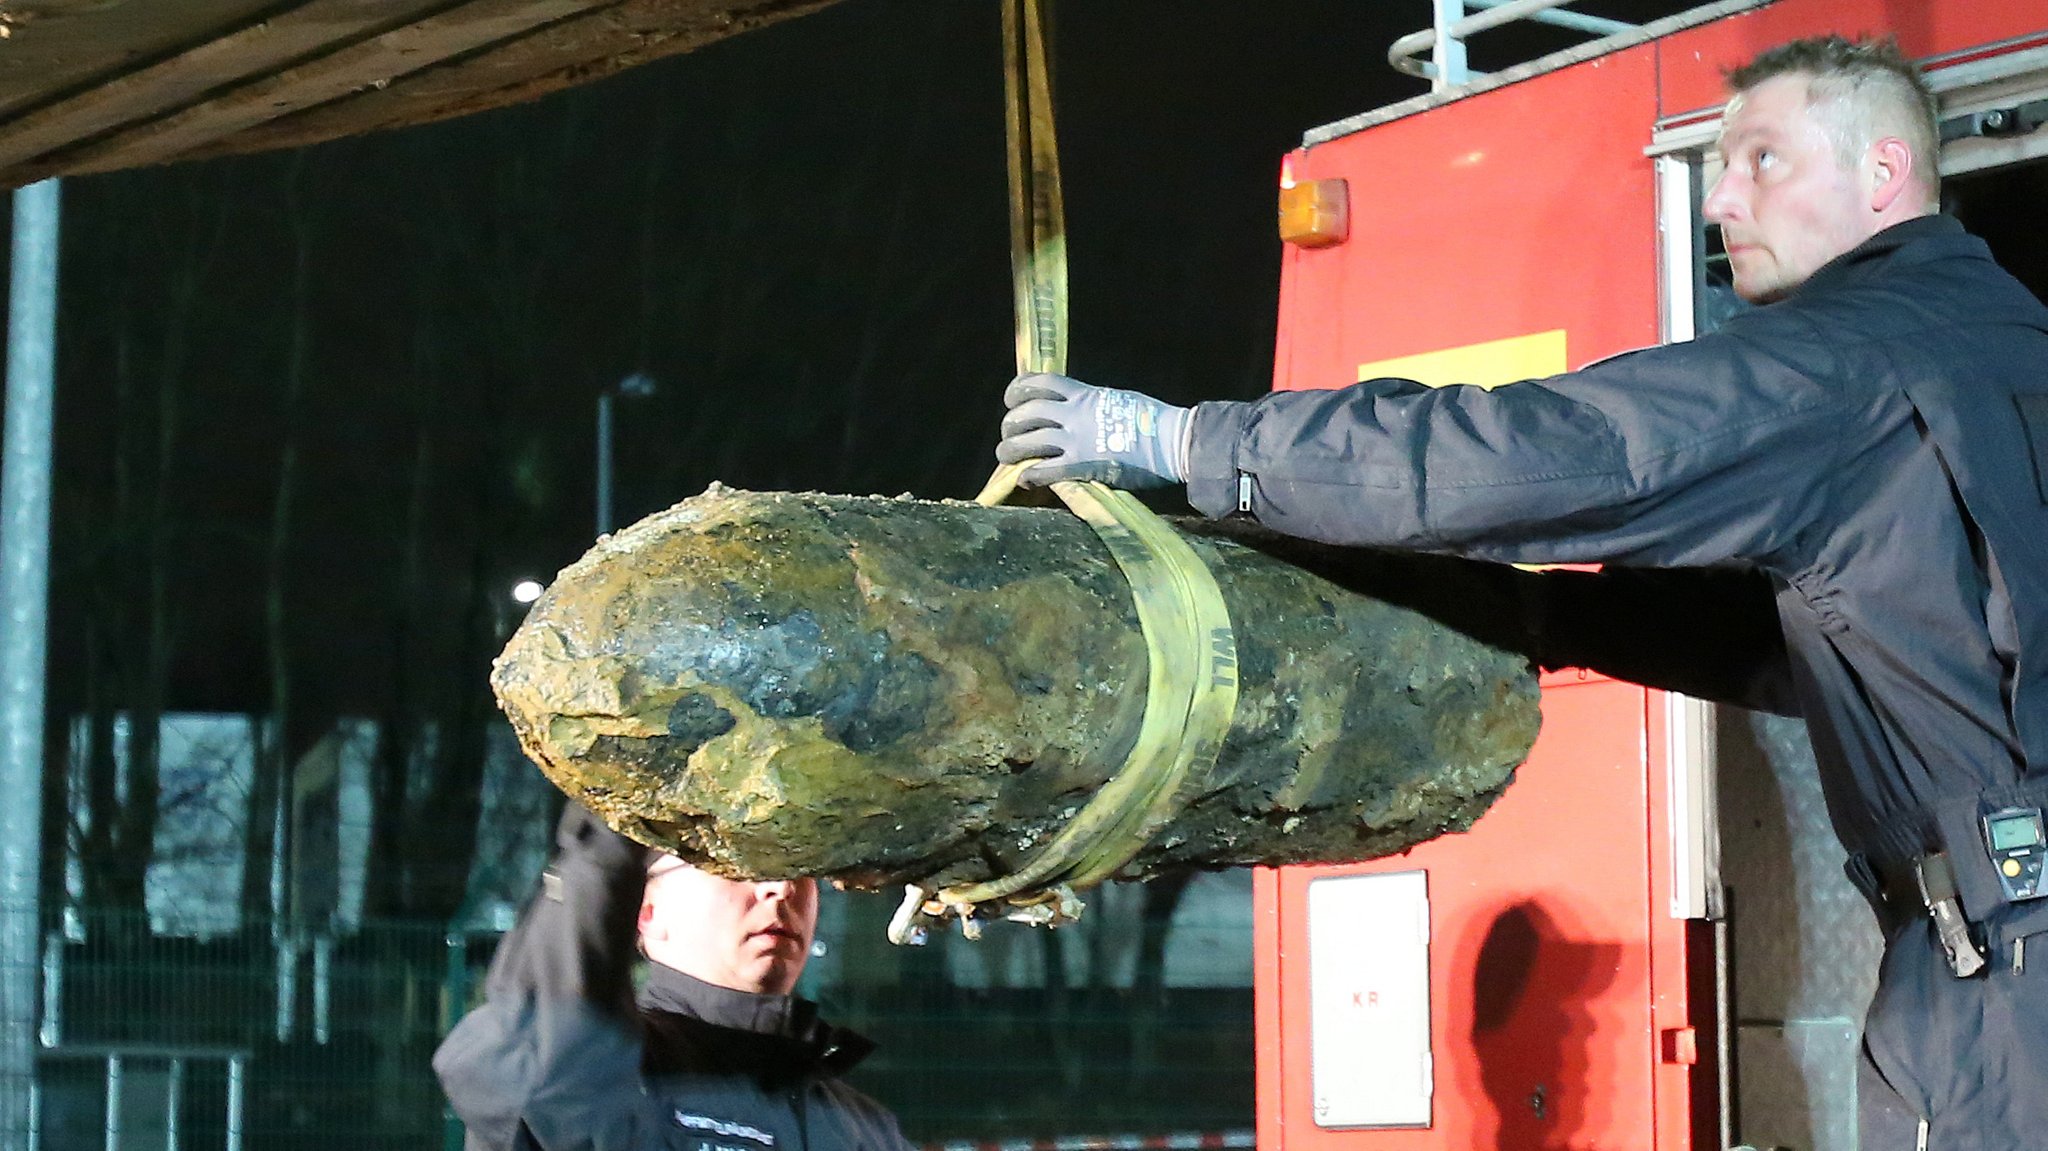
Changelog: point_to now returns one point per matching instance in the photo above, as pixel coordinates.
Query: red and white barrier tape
(1178, 1141)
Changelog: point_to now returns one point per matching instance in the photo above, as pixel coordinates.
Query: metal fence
(268, 1039)
(984, 1066)
(256, 1040)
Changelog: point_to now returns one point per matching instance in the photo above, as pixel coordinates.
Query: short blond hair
(1861, 91)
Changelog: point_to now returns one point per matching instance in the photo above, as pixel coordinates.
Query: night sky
(800, 234)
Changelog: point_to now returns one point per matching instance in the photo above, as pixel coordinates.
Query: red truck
(1678, 962)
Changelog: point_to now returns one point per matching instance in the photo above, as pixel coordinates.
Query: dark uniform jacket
(561, 1058)
(1877, 443)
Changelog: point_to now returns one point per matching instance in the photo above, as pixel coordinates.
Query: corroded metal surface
(880, 691)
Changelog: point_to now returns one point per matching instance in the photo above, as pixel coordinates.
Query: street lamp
(634, 384)
(522, 594)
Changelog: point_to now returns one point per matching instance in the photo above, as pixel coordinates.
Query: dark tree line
(319, 411)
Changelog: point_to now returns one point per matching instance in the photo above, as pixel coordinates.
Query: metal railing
(283, 1039)
(161, 1097)
(1454, 20)
(272, 1039)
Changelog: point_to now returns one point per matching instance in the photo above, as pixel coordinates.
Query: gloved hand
(1123, 439)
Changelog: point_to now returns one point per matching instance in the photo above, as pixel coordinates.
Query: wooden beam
(174, 83)
(52, 54)
(562, 55)
(369, 64)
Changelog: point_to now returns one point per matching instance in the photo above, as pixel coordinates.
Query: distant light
(526, 591)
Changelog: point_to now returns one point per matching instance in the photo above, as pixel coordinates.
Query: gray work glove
(1119, 438)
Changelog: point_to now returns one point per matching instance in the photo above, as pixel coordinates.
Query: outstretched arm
(551, 1061)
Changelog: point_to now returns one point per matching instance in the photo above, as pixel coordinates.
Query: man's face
(1784, 202)
(749, 936)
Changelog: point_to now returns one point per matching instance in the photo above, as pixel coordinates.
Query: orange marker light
(1314, 213)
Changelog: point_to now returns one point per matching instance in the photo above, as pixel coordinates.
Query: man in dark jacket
(717, 1054)
(1874, 440)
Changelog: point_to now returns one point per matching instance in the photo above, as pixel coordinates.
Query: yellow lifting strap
(1191, 652)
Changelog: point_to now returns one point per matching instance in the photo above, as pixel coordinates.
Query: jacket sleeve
(551, 1060)
(1716, 629)
(1682, 455)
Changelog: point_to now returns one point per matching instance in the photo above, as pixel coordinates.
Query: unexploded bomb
(881, 691)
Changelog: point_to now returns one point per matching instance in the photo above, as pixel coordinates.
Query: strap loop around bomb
(1191, 694)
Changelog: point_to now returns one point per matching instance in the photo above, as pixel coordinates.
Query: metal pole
(172, 1103)
(235, 1103)
(286, 948)
(1565, 18)
(604, 461)
(1448, 60)
(25, 471)
(323, 990)
(633, 385)
(113, 1103)
(455, 979)
(52, 1031)
(1729, 1117)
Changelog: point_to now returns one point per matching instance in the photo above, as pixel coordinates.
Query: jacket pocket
(2013, 1058)
(2021, 936)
